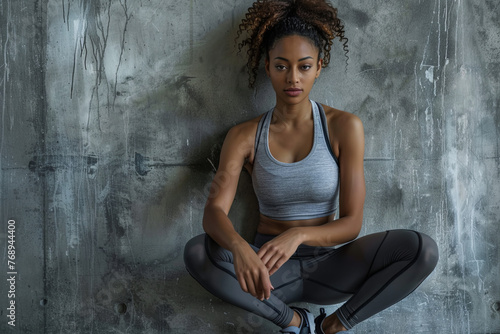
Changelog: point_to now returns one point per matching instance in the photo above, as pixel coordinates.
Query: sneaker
(319, 321)
(306, 324)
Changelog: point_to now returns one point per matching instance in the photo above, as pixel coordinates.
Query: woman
(302, 156)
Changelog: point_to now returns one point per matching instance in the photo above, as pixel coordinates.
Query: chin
(294, 99)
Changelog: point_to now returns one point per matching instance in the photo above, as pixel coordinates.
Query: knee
(429, 253)
(194, 253)
(418, 248)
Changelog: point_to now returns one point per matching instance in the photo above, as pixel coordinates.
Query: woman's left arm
(351, 145)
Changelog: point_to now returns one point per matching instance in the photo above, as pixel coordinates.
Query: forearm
(220, 228)
(333, 233)
(250, 271)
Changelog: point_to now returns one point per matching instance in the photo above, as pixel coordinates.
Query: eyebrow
(301, 59)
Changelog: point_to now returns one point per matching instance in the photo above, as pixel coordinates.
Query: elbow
(208, 217)
(205, 226)
(355, 227)
(358, 224)
(356, 232)
(352, 234)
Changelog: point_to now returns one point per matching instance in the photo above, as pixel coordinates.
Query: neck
(292, 114)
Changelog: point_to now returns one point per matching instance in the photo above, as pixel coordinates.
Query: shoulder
(339, 119)
(346, 133)
(342, 123)
(245, 129)
(241, 137)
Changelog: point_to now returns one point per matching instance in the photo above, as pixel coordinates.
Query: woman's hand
(277, 251)
(251, 272)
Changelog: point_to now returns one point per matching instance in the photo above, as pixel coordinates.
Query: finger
(261, 287)
(267, 290)
(251, 287)
(242, 282)
(277, 265)
(266, 258)
(266, 248)
(266, 284)
(263, 284)
(262, 252)
(260, 294)
(271, 263)
(267, 254)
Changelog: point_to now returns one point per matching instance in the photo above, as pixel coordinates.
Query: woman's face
(293, 66)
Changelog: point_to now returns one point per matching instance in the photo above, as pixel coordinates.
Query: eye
(280, 67)
(306, 67)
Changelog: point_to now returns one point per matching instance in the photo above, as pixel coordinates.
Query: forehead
(294, 46)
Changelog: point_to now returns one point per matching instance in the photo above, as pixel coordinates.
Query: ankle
(296, 320)
(302, 322)
(332, 325)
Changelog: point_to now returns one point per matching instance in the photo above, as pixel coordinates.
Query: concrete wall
(112, 117)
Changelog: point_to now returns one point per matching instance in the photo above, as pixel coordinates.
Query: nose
(293, 75)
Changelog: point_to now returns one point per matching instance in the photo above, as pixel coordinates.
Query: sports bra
(299, 190)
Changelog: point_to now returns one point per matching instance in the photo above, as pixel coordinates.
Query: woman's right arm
(251, 272)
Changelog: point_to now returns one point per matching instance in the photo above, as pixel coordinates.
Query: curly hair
(267, 21)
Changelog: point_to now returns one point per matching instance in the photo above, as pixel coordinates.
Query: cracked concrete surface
(113, 113)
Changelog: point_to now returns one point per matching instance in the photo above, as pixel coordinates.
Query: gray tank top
(300, 190)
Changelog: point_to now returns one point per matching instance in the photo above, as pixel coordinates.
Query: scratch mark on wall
(123, 3)
(143, 164)
(90, 27)
(126, 116)
(5, 79)
(51, 163)
(429, 74)
(369, 70)
(191, 31)
(429, 123)
(97, 33)
(415, 113)
(438, 39)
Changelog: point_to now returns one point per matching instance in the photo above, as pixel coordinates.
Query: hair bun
(269, 20)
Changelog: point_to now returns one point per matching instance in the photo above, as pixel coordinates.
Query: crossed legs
(370, 274)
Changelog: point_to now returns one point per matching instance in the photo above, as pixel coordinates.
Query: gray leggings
(371, 273)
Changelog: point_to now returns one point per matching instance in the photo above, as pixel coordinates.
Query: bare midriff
(274, 227)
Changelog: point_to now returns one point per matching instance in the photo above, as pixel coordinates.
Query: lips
(293, 91)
